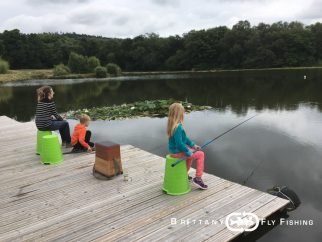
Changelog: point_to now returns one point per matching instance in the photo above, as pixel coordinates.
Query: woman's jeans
(62, 126)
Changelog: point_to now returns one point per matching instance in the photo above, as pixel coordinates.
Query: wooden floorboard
(66, 203)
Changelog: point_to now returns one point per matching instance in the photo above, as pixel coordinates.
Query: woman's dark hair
(43, 92)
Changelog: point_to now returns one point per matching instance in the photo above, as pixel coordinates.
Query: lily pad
(148, 108)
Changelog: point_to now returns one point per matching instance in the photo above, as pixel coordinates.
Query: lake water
(282, 145)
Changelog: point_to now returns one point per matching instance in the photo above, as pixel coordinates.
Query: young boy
(81, 137)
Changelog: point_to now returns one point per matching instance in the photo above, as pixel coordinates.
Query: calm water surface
(283, 144)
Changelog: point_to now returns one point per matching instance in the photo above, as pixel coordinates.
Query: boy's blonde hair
(83, 118)
(176, 111)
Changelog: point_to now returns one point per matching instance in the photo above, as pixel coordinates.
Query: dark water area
(282, 145)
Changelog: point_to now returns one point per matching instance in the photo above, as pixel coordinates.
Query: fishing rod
(212, 140)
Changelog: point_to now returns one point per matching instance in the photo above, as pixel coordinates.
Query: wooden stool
(108, 159)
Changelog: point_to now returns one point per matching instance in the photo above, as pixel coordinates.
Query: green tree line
(280, 44)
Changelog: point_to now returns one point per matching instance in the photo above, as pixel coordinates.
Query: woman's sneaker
(199, 183)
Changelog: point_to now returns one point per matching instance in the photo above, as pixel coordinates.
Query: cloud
(43, 2)
(87, 18)
(167, 2)
(312, 12)
(49, 23)
(127, 18)
(91, 19)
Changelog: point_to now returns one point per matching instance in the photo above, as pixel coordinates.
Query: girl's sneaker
(189, 178)
(199, 183)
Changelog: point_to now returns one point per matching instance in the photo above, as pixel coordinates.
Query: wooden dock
(66, 203)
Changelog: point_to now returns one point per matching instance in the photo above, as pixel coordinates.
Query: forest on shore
(280, 44)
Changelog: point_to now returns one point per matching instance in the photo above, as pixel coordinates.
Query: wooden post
(108, 159)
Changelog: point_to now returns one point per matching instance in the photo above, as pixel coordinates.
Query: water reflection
(238, 91)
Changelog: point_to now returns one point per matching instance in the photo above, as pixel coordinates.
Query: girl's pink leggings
(199, 156)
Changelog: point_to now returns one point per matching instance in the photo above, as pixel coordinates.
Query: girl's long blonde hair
(176, 112)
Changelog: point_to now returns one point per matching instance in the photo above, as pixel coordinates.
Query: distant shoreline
(36, 74)
(134, 73)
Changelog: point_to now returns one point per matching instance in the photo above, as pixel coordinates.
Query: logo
(240, 222)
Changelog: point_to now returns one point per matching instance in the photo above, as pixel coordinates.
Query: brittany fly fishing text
(281, 221)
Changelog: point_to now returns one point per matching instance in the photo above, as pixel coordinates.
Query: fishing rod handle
(184, 158)
(177, 162)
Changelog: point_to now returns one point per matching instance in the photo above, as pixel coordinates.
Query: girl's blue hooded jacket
(179, 142)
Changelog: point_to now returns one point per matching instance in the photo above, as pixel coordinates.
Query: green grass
(29, 74)
(20, 75)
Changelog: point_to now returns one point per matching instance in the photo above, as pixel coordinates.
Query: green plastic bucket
(175, 178)
(51, 150)
(40, 135)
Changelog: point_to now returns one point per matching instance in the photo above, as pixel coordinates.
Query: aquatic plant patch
(154, 108)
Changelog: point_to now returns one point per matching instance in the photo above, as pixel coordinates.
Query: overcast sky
(128, 18)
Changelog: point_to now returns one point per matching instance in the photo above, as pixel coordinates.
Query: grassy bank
(21, 75)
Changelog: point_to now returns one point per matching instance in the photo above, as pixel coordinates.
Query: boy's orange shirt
(79, 135)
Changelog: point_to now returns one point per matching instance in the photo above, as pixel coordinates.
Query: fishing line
(252, 171)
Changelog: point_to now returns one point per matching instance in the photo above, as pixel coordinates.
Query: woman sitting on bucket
(47, 118)
(180, 146)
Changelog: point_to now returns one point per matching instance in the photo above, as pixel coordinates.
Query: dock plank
(66, 203)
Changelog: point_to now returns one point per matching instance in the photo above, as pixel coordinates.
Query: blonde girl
(180, 146)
